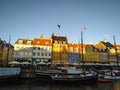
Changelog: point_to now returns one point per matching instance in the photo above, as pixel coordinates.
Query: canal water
(33, 85)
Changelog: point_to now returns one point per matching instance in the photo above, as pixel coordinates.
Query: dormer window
(47, 43)
(71, 49)
(20, 41)
(38, 43)
(64, 42)
(29, 42)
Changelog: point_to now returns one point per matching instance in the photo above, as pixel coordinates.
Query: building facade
(23, 50)
(34, 51)
(42, 48)
(59, 49)
(6, 53)
(73, 53)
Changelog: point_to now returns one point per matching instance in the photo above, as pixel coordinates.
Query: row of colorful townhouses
(57, 49)
(6, 52)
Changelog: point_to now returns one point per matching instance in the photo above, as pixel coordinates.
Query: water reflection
(32, 85)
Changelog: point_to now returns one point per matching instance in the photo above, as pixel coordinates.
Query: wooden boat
(75, 79)
(46, 75)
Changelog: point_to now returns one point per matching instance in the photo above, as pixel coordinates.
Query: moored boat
(103, 80)
(75, 79)
(9, 74)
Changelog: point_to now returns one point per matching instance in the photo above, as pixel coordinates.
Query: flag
(58, 26)
(83, 28)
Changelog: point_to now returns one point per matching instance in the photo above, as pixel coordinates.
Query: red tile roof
(43, 42)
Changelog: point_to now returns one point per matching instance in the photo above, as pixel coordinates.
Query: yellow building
(92, 54)
(59, 49)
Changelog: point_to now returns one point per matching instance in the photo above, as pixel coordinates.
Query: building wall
(1, 54)
(22, 52)
(73, 57)
(91, 55)
(59, 49)
(42, 53)
(60, 53)
(104, 57)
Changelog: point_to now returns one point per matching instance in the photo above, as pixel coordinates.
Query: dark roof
(107, 44)
(59, 38)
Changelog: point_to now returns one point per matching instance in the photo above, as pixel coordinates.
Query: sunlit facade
(6, 53)
(59, 49)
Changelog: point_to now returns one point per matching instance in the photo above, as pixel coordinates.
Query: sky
(27, 19)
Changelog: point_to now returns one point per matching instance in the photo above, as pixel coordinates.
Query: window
(42, 54)
(30, 53)
(38, 43)
(71, 49)
(45, 54)
(17, 47)
(34, 54)
(38, 54)
(55, 42)
(64, 42)
(47, 43)
(49, 54)
(34, 47)
(38, 48)
(20, 41)
(29, 42)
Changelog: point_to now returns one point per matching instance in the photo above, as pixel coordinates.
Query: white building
(37, 50)
(23, 50)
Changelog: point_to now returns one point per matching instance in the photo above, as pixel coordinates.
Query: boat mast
(116, 51)
(79, 51)
(52, 49)
(82, 57)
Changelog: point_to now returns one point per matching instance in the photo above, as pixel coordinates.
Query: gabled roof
(24, 41)
(42, 41)
(97, 48)
(107, 44)
(59, 38)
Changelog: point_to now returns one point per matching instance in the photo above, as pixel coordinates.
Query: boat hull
(81, 80)
(9, 75)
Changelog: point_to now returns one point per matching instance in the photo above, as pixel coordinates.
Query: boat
(75, 78)
(103, 80)
(9, 74)
(110, 74)
(46, 75)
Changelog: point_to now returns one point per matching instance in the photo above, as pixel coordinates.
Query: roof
(59, 38)
(24, 41)
(107, 44)
(76, 45)
(42, 41)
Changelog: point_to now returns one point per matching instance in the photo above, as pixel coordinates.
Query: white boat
(110, 74)
(7, 73)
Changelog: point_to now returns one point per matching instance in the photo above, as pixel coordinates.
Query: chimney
(90, 42)
(41, 36)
